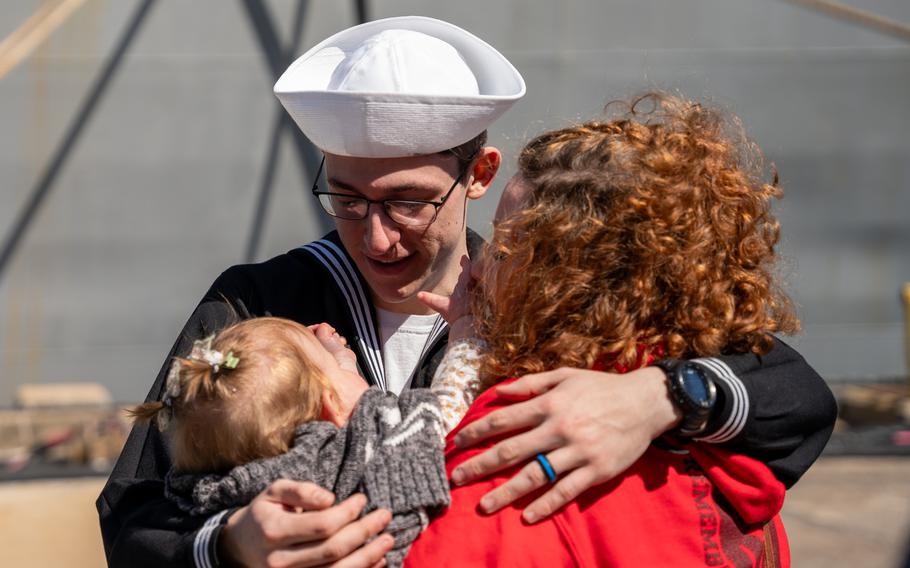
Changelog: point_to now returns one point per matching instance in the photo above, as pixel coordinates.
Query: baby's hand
(335, 344)
(456, 309)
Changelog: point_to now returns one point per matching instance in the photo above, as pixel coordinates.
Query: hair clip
(230, 361)
(202, 351)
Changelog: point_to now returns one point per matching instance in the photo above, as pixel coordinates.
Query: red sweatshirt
(706, 507)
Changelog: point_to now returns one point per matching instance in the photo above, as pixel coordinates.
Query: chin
(399, 296)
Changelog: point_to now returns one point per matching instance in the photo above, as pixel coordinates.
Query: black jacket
(774, 407)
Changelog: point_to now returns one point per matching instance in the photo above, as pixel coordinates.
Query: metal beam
(363, 11)
(277, 60)
(41, 190)
(271, 160)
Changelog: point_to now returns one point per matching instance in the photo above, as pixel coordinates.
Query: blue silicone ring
(547, 468)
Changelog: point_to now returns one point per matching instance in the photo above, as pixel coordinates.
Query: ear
(484, 171)
(330, 409)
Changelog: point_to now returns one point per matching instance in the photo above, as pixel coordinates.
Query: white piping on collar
(346, 277)
(439, 328)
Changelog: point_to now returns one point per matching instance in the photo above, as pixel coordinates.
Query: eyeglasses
(410, 212)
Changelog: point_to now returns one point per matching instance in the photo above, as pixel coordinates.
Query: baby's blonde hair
(233, 416)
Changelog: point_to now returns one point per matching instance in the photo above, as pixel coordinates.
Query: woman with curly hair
(642, 239)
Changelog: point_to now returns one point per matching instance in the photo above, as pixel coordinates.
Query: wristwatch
(693, 391)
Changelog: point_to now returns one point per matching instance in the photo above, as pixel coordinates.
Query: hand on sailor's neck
(455, 307)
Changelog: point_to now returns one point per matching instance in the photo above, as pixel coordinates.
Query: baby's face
(328, 351)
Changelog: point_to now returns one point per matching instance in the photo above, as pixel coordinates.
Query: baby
(268, 398)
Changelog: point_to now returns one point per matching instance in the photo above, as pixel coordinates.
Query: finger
(323, 327)
(564, 491)
(328, 337)
(435, 302)
(314, 526)
(342, 544)
(299, 494)
(508, 452)
(522, 415)
(531, 478)
(371, 554)
(535, 384)
(467, 278)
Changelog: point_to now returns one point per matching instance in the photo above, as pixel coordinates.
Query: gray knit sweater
(391, 450)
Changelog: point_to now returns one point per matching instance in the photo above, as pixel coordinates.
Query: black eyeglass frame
(384, 202)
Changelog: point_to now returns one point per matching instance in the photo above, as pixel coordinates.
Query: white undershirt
(403, 337)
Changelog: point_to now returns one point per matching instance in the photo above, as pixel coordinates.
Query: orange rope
(861, 17)
(49, 16)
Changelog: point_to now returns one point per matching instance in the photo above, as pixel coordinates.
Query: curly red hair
(653, 229)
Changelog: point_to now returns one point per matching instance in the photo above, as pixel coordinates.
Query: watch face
(695, 384)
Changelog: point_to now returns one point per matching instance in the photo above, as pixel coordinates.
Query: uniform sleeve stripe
(335, 261)
(739, 403)
(202, 555)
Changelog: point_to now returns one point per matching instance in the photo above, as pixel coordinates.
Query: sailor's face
(397, 260)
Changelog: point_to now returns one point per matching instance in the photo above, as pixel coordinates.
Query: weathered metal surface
(160, 191)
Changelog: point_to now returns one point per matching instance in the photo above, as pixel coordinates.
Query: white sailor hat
(398, 87)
